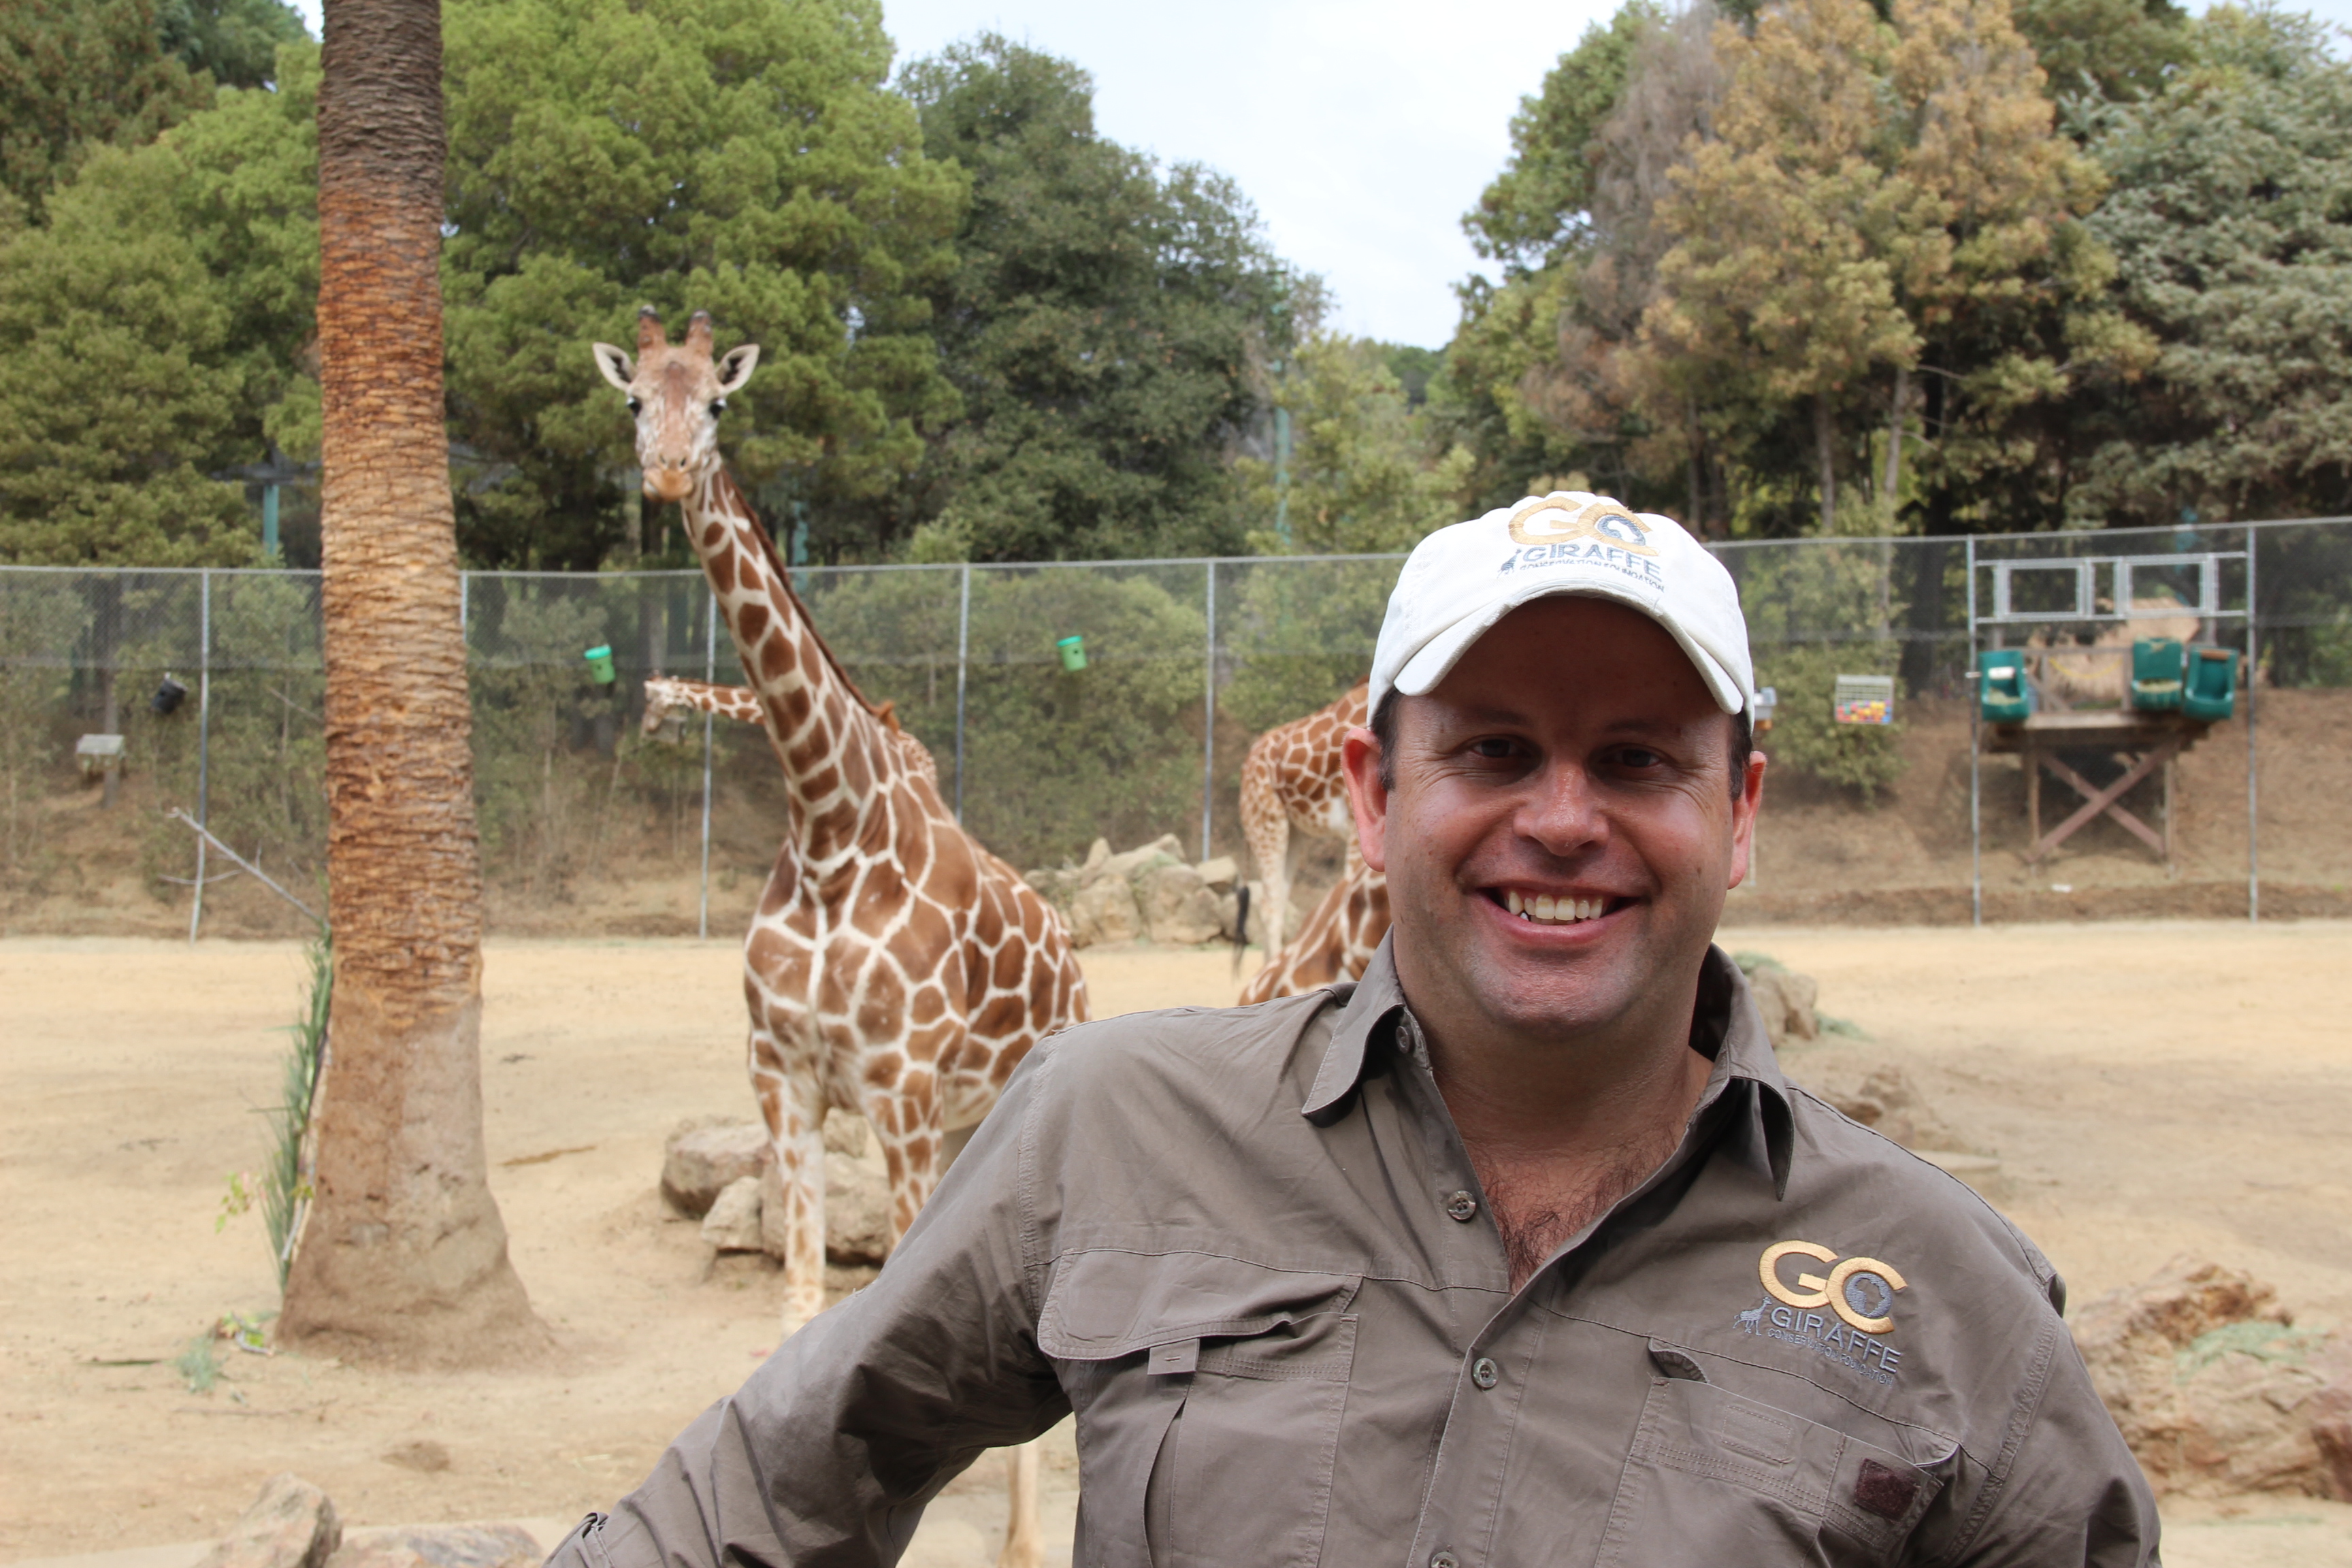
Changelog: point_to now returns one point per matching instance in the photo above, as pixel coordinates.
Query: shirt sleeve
(2072, 1492)
(828, 1453)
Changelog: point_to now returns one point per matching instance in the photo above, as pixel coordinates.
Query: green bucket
(1072, 651)
(600, 664)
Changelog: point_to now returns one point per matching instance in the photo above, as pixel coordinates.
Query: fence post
(1209, 715)
(2253, 816)
(1974, 684)
(204, 737)
(963, 661)
(709, 676)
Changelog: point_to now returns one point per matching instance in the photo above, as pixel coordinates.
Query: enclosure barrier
(1069, 700)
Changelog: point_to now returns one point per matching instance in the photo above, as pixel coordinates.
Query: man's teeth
(1545, 908)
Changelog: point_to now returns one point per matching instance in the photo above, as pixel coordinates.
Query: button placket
(1461, 1205)
(1485, 1373)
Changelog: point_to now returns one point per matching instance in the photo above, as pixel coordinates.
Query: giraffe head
(677, 391)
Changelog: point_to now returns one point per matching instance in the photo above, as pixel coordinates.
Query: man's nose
(1563, 810)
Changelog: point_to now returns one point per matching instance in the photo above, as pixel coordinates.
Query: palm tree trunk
(404, 1256)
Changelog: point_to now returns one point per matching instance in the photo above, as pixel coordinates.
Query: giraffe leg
(1274, 869)
(1025, 1529)
(793, 1101)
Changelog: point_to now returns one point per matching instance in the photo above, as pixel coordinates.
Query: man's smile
(1559, 908)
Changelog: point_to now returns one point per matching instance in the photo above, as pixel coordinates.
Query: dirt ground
(2148, 1089)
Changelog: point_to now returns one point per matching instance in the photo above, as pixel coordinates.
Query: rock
(856, 1212)
(1177, 906)
(424, 1455)
(1164, 850)
(291, 1524)
(1097, 853)
(1219, 874)
(706, 1155)
(1054, 886)
(1883, 1097)
(441, 1546)
(1786, 999)
(844, 1134)
(1229, 911)
(732, 1223)
(2215, 1388)
(1104, 911)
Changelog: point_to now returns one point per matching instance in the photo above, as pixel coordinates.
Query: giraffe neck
(834, 749)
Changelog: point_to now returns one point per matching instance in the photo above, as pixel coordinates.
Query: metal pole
(465, 583)
(710, 676)
(1209, 717)
(963, 670)
(204, 740)
(2253, 816)
(1975, 684)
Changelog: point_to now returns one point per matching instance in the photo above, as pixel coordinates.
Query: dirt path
(2147, 1088)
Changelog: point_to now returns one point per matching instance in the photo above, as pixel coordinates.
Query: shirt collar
(1727, 1027)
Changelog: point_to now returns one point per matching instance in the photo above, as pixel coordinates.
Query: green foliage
(159, 321)
(537, 813)
(284, 1184)
(77, 75)
(1361, 475)
(2112, 48)
(2230, 223)
(1098, 324)
(1815, 612)
(236, 41)
(199, 1365)
(1299, 634)
(741, 157)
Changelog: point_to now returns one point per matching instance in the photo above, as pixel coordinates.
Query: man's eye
(1639, 757)
(1494, 748)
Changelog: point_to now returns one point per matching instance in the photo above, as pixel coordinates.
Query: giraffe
(894, 967)
(665, 695)
(1292, 777)
(1337, 940)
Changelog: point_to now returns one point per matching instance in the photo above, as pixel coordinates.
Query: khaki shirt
(1246, 1246)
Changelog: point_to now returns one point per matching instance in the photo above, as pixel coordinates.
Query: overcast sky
(1362, 129)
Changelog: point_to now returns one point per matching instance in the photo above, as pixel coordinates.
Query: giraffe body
(1292, 777)
(1337, 940)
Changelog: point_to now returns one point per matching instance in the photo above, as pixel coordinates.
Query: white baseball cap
(1461, 580)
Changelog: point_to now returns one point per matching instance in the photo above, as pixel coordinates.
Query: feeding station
(2109, 674)
(1072, 651)
(600, 663)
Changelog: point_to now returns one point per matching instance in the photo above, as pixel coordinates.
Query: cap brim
(1430, 664)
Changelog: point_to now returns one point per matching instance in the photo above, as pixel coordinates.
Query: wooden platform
(2142, 741)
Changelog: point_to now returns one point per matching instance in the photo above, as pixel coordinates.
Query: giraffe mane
(784, 575)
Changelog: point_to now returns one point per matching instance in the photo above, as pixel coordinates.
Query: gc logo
(1559, 518)
(1860, 1290)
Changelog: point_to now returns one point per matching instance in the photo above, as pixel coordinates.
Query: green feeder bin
(1074, 652)
(600, 664)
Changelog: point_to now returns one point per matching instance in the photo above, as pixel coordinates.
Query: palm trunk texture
(405, 1257)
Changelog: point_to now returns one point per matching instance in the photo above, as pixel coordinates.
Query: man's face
(1572, 763)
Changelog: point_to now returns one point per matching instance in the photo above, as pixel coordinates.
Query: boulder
(1055, 888)
(291, 1524)
(856, 1212)
(1220, 874)
(1164, 850)
(1786, 998)
(2215, 1388)
(1104, 911)
(1177, 906)
(733, 1223)
(706, 1155)
(1097, 853)
(1881, 1097)
(441, 1546)
(844, 1134)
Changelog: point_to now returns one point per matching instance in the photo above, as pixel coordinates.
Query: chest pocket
(1714, 1477)
(1209, 1393)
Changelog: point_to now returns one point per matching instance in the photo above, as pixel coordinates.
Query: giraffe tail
(1241, 925)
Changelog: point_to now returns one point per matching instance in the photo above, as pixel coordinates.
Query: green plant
(283, 1185)
(199, 1364)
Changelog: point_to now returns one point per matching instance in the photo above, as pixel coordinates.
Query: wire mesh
(1066, 702)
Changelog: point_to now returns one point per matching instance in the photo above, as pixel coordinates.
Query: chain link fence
(1065, 702)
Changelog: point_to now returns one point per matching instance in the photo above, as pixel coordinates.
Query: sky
(1362, 130)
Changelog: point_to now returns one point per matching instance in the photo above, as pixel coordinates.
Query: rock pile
(721, 1170)
(1149, 893)
(293, 1524)
(2215, 1388)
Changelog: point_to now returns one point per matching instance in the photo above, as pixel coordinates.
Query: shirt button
(1462, 1206)
(1445, 1560)
(1485, 1373)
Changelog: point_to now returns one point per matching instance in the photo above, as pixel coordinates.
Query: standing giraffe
(1292, 777)
(665, 695)
(894, 968)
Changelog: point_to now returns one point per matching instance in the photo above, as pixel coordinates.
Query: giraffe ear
(735, 367)
(616, 366)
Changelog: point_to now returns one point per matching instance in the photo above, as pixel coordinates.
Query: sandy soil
(2148, 1089)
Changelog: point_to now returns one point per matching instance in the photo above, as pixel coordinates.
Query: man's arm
(828, 1453)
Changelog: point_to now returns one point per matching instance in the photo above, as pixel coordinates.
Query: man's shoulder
(1181, 1043)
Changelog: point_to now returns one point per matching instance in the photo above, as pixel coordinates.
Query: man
(1519, 1251)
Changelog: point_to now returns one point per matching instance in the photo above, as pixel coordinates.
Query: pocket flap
(1106, 1304)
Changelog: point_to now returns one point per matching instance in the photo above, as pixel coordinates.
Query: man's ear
(618, 368)
(1368, 800)
(1744, 808)
(735, 367)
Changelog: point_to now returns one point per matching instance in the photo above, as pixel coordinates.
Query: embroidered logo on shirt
(1858, 1291)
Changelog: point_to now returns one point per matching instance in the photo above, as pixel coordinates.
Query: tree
(75, 74)
(404, 1255)
(2231, 224)
(1101, 324)
(236, 42)
(742, 157)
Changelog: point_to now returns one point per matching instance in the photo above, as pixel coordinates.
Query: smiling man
(1519, 1251)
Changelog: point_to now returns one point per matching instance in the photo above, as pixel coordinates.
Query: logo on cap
(1558, 519)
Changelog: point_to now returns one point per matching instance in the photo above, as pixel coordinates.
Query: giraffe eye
(718, 405)
(636, 406)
